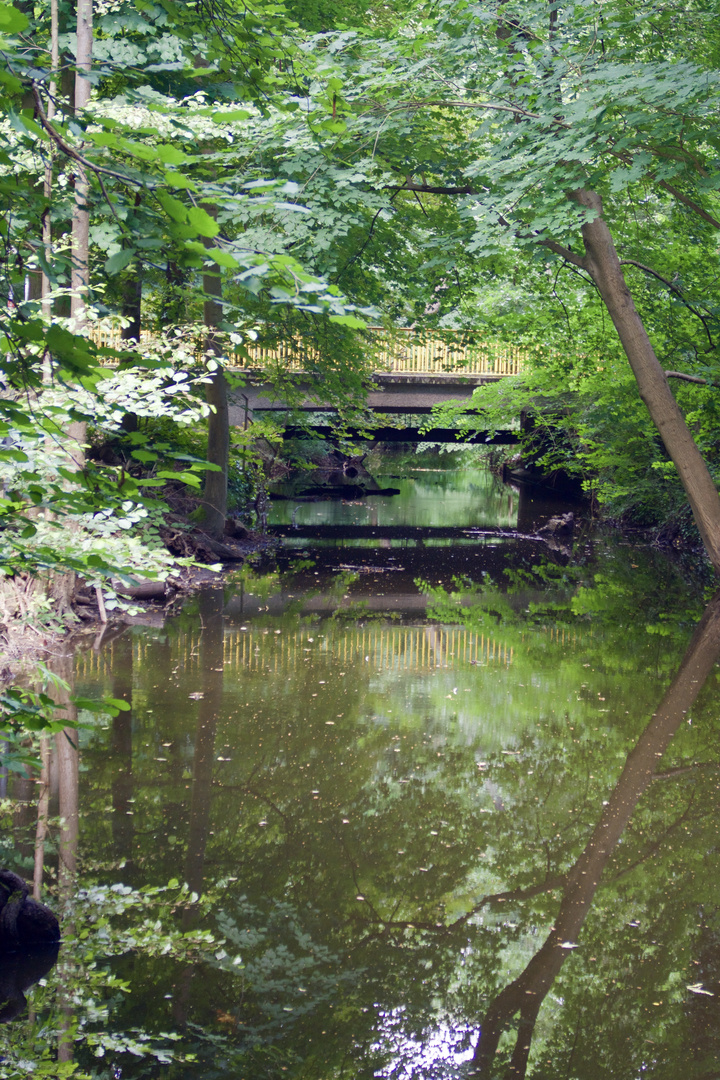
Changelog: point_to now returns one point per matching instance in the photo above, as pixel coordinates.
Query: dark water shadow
(525, 994)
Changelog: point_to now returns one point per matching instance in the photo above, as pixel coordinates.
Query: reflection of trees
(209, 707)
(121, 749)
(526, 993)
(68, 776)
(318, 799)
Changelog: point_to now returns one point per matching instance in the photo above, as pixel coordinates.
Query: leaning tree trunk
(218, 449)
(603, 264)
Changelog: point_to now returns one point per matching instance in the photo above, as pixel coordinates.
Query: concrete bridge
(390, 394)
(412, 373)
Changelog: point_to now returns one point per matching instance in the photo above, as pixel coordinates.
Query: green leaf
(119, 260)
(349, 320)
(202, 222)
(172, 206)
(170, 155)
(12, 21)
(180, 181)
(117, 703)
(228, 117)
(222, 257)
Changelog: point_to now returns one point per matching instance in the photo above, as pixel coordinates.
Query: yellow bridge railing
(400, 351)
(404, 351)
(400, 648)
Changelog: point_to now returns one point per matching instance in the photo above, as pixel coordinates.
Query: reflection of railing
(400, 648)
(401, 351)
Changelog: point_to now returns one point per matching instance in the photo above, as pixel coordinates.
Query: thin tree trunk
(46, 286)
(218, 450)
(79, 280)
(603, 264)
(41, 828)
(132, 306)
(132, 293)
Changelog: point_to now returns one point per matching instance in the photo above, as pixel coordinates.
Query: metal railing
(400, 351)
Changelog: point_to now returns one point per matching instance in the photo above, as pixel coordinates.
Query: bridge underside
(392, 394)
(407, 434)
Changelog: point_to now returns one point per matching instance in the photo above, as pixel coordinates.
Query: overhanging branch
(691, 378)
(72, 153)
(431, 189)
(673, 288)
(564, 252)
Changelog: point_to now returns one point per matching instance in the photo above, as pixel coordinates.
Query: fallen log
(144, 590)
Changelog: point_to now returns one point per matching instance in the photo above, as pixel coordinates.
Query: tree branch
(691, 378)
(459, 104)
(681, 770)
(671, 189)
(565, 253)
(673, 288)
(429, 189)
(70, 151)
(687, 201)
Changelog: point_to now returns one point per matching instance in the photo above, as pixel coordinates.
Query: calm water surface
(395, 806)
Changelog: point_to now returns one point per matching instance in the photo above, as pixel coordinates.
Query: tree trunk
(79, 280)
(132, 292)
(604, 267)
(218, 450)
(48, 180)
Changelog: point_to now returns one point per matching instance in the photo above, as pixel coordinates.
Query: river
(413, 797)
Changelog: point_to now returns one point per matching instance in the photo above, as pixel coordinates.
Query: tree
(539, 124)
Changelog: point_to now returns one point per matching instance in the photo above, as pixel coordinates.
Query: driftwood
(156, 619)
(215, 547)
(562, 525)
(145, 590)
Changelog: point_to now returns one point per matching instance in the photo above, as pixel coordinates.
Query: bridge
(411, 372)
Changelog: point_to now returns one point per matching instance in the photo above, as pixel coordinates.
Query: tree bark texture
(602, 263)
(218, 450)
(79, 280)
(46, 286)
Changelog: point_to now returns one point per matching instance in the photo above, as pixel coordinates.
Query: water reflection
(525, 994)
(390, 820)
